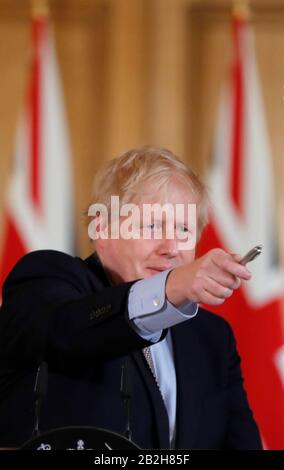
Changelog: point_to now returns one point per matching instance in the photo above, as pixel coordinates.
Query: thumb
(236, 257)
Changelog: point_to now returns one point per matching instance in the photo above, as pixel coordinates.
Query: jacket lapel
(160, 412)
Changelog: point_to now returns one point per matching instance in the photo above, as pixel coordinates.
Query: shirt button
(156, 301)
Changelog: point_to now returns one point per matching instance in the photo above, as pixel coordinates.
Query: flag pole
(241, 9)
(39, 8)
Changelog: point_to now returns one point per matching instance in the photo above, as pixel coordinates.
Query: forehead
(175, 191)
(171, 202)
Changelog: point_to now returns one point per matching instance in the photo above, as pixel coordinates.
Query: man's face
(130, 259)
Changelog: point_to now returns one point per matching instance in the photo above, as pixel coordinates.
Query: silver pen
(252, 254)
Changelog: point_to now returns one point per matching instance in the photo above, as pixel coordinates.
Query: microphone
(40, 393)
(125, 390)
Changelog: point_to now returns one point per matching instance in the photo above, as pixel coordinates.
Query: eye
(183, 229)
(154, 225)
(148, 227)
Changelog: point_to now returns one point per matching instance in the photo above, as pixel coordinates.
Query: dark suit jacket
(63, 310)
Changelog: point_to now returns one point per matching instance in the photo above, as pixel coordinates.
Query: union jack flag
(39, 212)
(243, 216)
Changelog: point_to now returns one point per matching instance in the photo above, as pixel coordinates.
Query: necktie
(149, 359)
(170, 398)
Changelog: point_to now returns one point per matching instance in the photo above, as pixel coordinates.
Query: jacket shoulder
(43, 260)
(47, 264)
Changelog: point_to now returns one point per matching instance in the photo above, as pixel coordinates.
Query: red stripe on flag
(237, 134)
(13, 248)
(38, 27)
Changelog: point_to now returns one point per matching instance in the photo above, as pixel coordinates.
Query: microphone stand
(125, 389)
(40, 393)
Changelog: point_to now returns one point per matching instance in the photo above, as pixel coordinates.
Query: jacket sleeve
(51, 311)
(242, 431)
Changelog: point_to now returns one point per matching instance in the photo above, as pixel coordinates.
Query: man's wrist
(174, 291)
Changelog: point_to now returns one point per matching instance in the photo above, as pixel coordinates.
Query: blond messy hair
(127, 175)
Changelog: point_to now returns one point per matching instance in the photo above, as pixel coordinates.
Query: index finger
(231, 264)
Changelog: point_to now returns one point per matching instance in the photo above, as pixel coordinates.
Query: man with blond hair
(134, 301)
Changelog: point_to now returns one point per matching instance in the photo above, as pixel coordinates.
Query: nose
(168, 247)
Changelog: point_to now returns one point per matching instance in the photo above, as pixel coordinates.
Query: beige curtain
(136, 72)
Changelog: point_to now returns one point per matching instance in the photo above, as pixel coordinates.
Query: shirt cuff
(151, 312)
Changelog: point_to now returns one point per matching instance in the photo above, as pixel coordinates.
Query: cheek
(187, 256)
(140, 249)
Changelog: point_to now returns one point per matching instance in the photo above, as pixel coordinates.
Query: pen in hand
(251, 255)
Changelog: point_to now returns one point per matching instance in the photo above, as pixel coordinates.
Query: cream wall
(140, 71)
